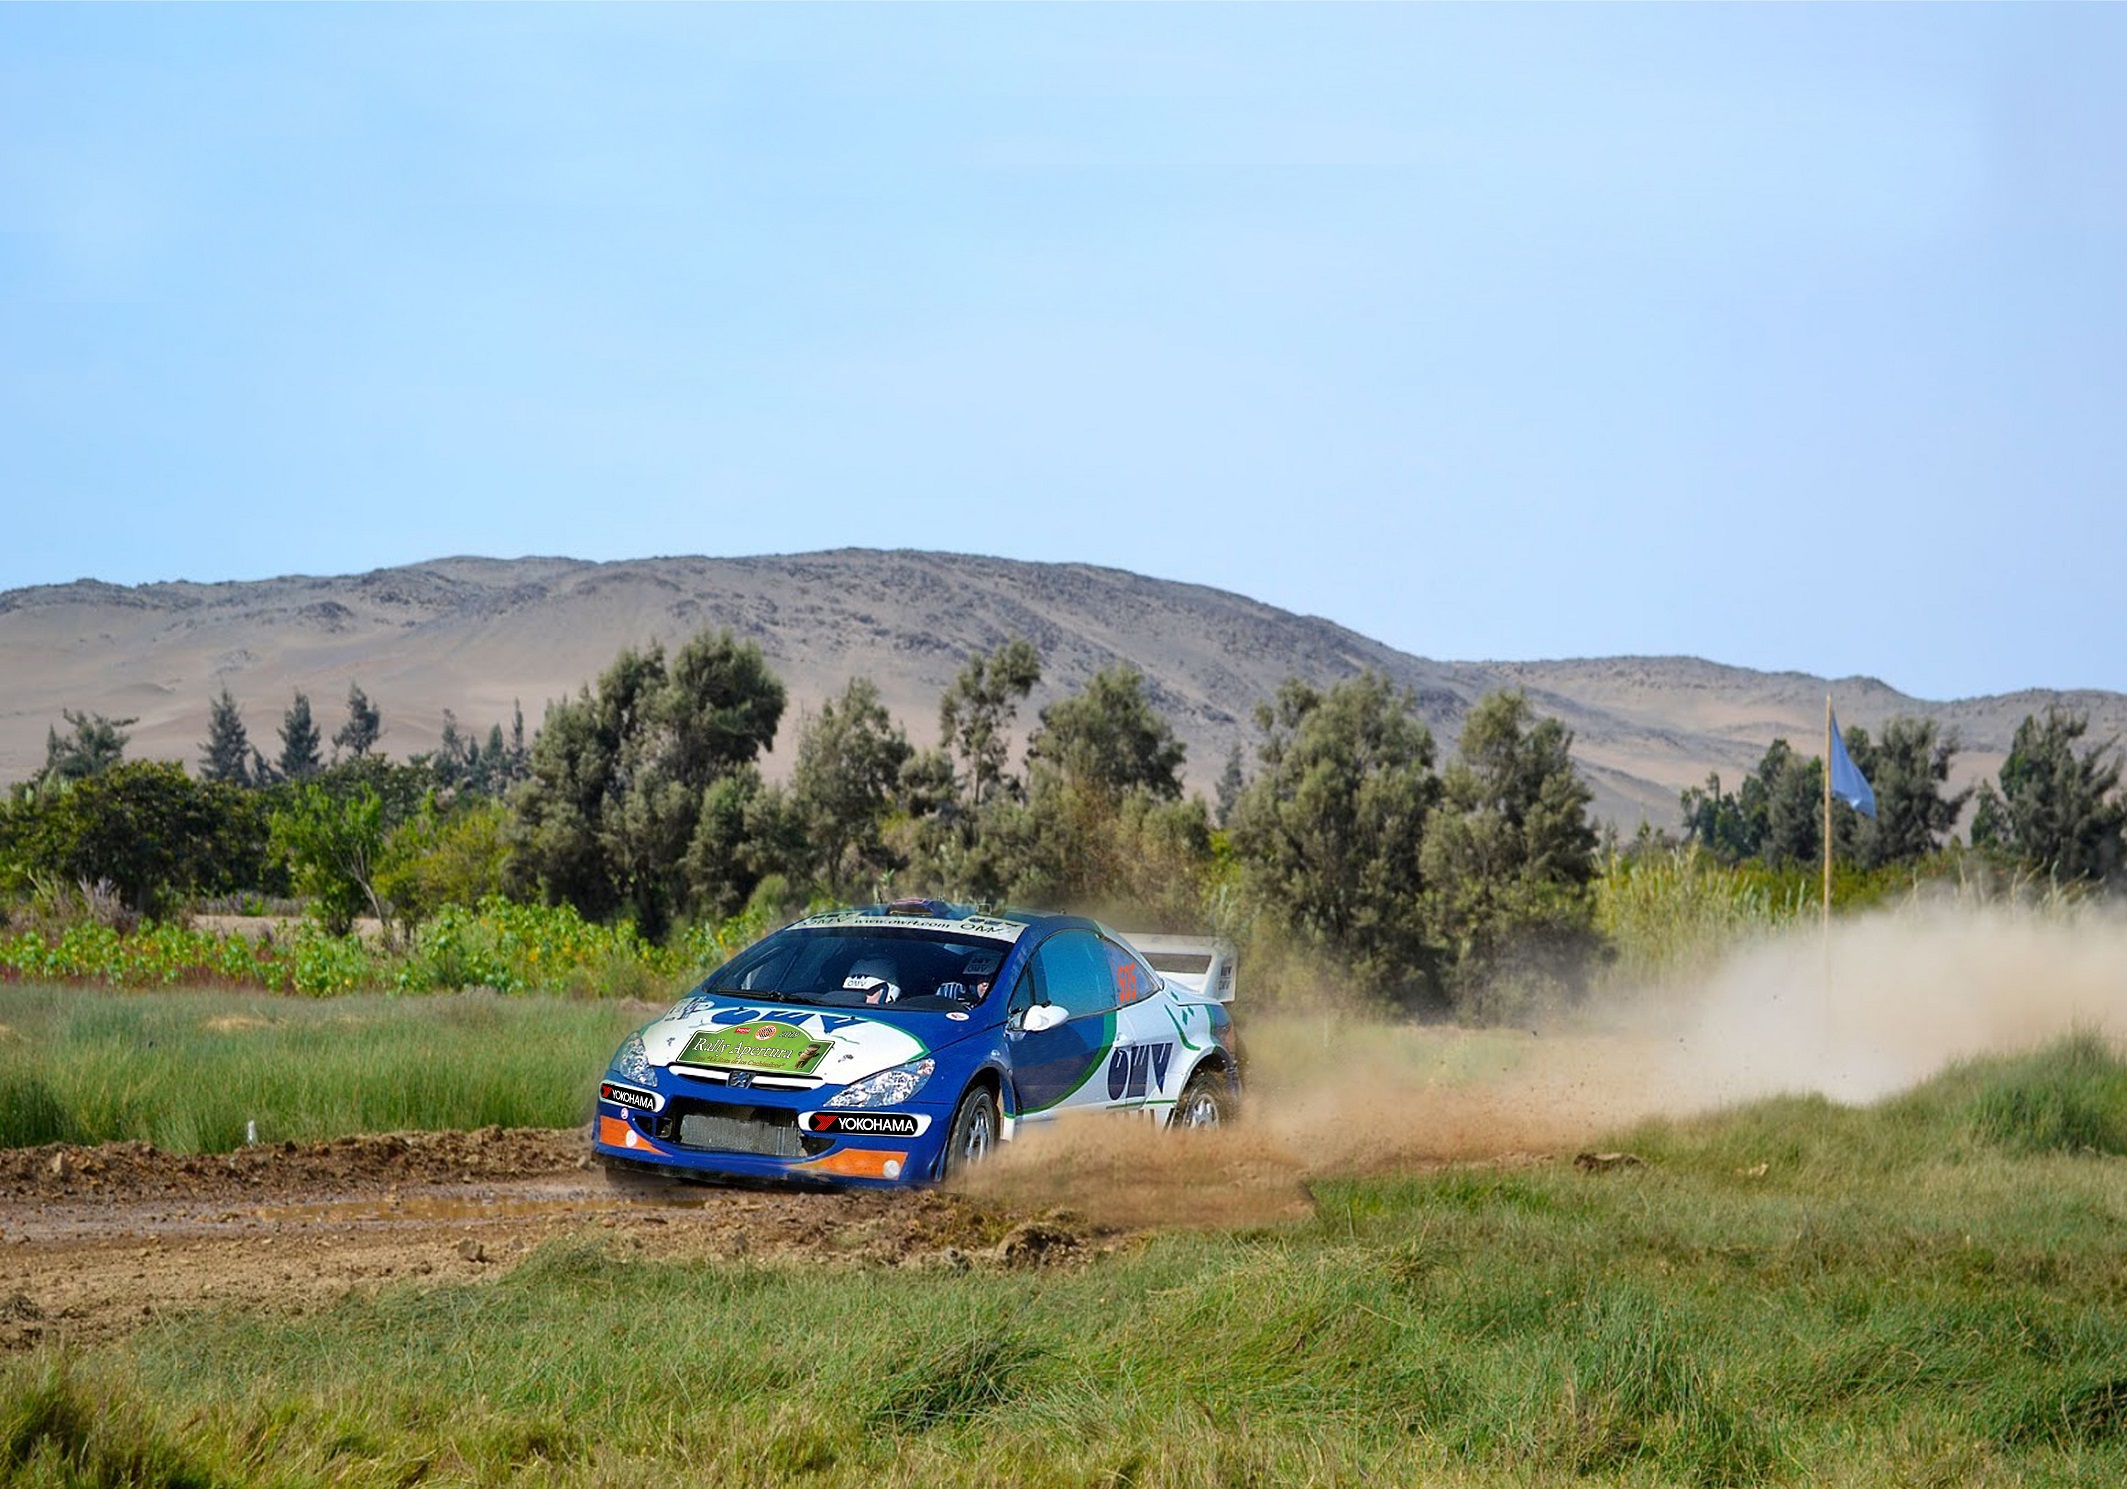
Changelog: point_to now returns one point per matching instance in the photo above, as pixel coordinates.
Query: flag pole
(1827, 863)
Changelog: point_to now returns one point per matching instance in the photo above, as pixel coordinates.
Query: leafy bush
(515, 948)
(148, 829)
(440, 858)
(497, 944)
(333, 845)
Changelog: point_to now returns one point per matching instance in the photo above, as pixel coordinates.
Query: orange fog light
(860, 1163)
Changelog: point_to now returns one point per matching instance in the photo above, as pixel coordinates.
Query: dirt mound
(140, 1171)
(95, 1241)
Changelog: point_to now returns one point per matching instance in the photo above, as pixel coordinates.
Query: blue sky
(1791, 337)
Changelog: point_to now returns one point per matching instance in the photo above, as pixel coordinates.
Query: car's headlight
(633, 1061)
(888, 1087)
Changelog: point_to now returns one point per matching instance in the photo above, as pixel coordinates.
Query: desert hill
(474, 634)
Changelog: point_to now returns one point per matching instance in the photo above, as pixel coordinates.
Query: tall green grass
(1674, 916)
(1915, 1294)
(187, 1071)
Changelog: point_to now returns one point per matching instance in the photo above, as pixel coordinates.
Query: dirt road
(93, 1241)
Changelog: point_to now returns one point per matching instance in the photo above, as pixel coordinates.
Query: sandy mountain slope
(474, 635)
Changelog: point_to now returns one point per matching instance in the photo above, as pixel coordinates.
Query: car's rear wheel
(974, 1131)
(1207, 1101)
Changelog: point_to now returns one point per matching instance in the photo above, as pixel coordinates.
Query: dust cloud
(1898, 997)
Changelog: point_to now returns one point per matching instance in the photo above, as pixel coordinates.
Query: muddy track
(94, 1241)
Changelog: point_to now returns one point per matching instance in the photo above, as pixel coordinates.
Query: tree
(619, 776)
(403, 787)
(720, 708)
(1990, 820)
(2058, 810)
(493, 775)
(300, 758)
(1715, 820)
(1784, 801)
(519, 758)
(1232, 781)
(1109, 739)
(1908, 769)
(226, 754)
(1101, 828)
(443, 857)
(1778, 813)
(975, 715)
(463, 763)
(364, 726)
(333, 846)
(747, 831)
(96, 744)
(1509, 856)
(145, 827)
(1137, 856)
(850, 758)
(1330, 829)
(456, 758)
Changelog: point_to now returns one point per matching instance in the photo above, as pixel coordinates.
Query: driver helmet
(872, 976)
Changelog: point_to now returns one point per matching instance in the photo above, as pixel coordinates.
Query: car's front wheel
(1207, 1101)
(973, 1133)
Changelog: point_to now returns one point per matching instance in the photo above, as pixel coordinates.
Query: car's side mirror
(1043, 1016)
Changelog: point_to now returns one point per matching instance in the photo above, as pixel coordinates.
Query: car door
(1142, 1069)
(1058, 1069)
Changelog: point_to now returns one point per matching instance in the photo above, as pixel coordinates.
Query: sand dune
(474, 635)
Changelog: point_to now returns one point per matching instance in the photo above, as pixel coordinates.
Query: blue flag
(1848, 783)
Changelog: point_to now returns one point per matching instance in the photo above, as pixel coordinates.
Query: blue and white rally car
(893, 1044)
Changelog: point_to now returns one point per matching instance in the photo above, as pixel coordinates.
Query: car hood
(838, 1045)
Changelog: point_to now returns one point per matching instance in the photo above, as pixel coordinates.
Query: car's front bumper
(728, 1139)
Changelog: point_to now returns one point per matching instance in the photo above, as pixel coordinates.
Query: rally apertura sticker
(770, 1046)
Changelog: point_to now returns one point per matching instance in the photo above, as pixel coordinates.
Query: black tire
(974, 1133)
(1206, 1102)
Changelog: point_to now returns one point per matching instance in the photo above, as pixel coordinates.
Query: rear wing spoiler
(1202, 964)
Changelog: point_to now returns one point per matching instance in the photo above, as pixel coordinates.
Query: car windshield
(862, 967)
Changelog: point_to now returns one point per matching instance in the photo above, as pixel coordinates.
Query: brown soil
(93, 1241)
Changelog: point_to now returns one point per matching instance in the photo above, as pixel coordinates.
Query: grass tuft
(31, 1114)
(2070, 1097)
(56, 1430)
(955, 1381)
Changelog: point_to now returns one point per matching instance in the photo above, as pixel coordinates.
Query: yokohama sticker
(865, 1124)
(642, 1101)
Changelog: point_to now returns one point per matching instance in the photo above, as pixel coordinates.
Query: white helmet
(873, 976)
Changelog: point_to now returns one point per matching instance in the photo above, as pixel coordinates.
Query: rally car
(893, 1044)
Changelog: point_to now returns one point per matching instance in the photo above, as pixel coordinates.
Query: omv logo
(820, 1023)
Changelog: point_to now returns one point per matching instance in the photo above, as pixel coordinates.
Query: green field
(1933, 1291)
(187, 1071)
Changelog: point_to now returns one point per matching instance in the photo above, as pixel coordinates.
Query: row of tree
(2057, 810)
(1462, 882)
(460, 761)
